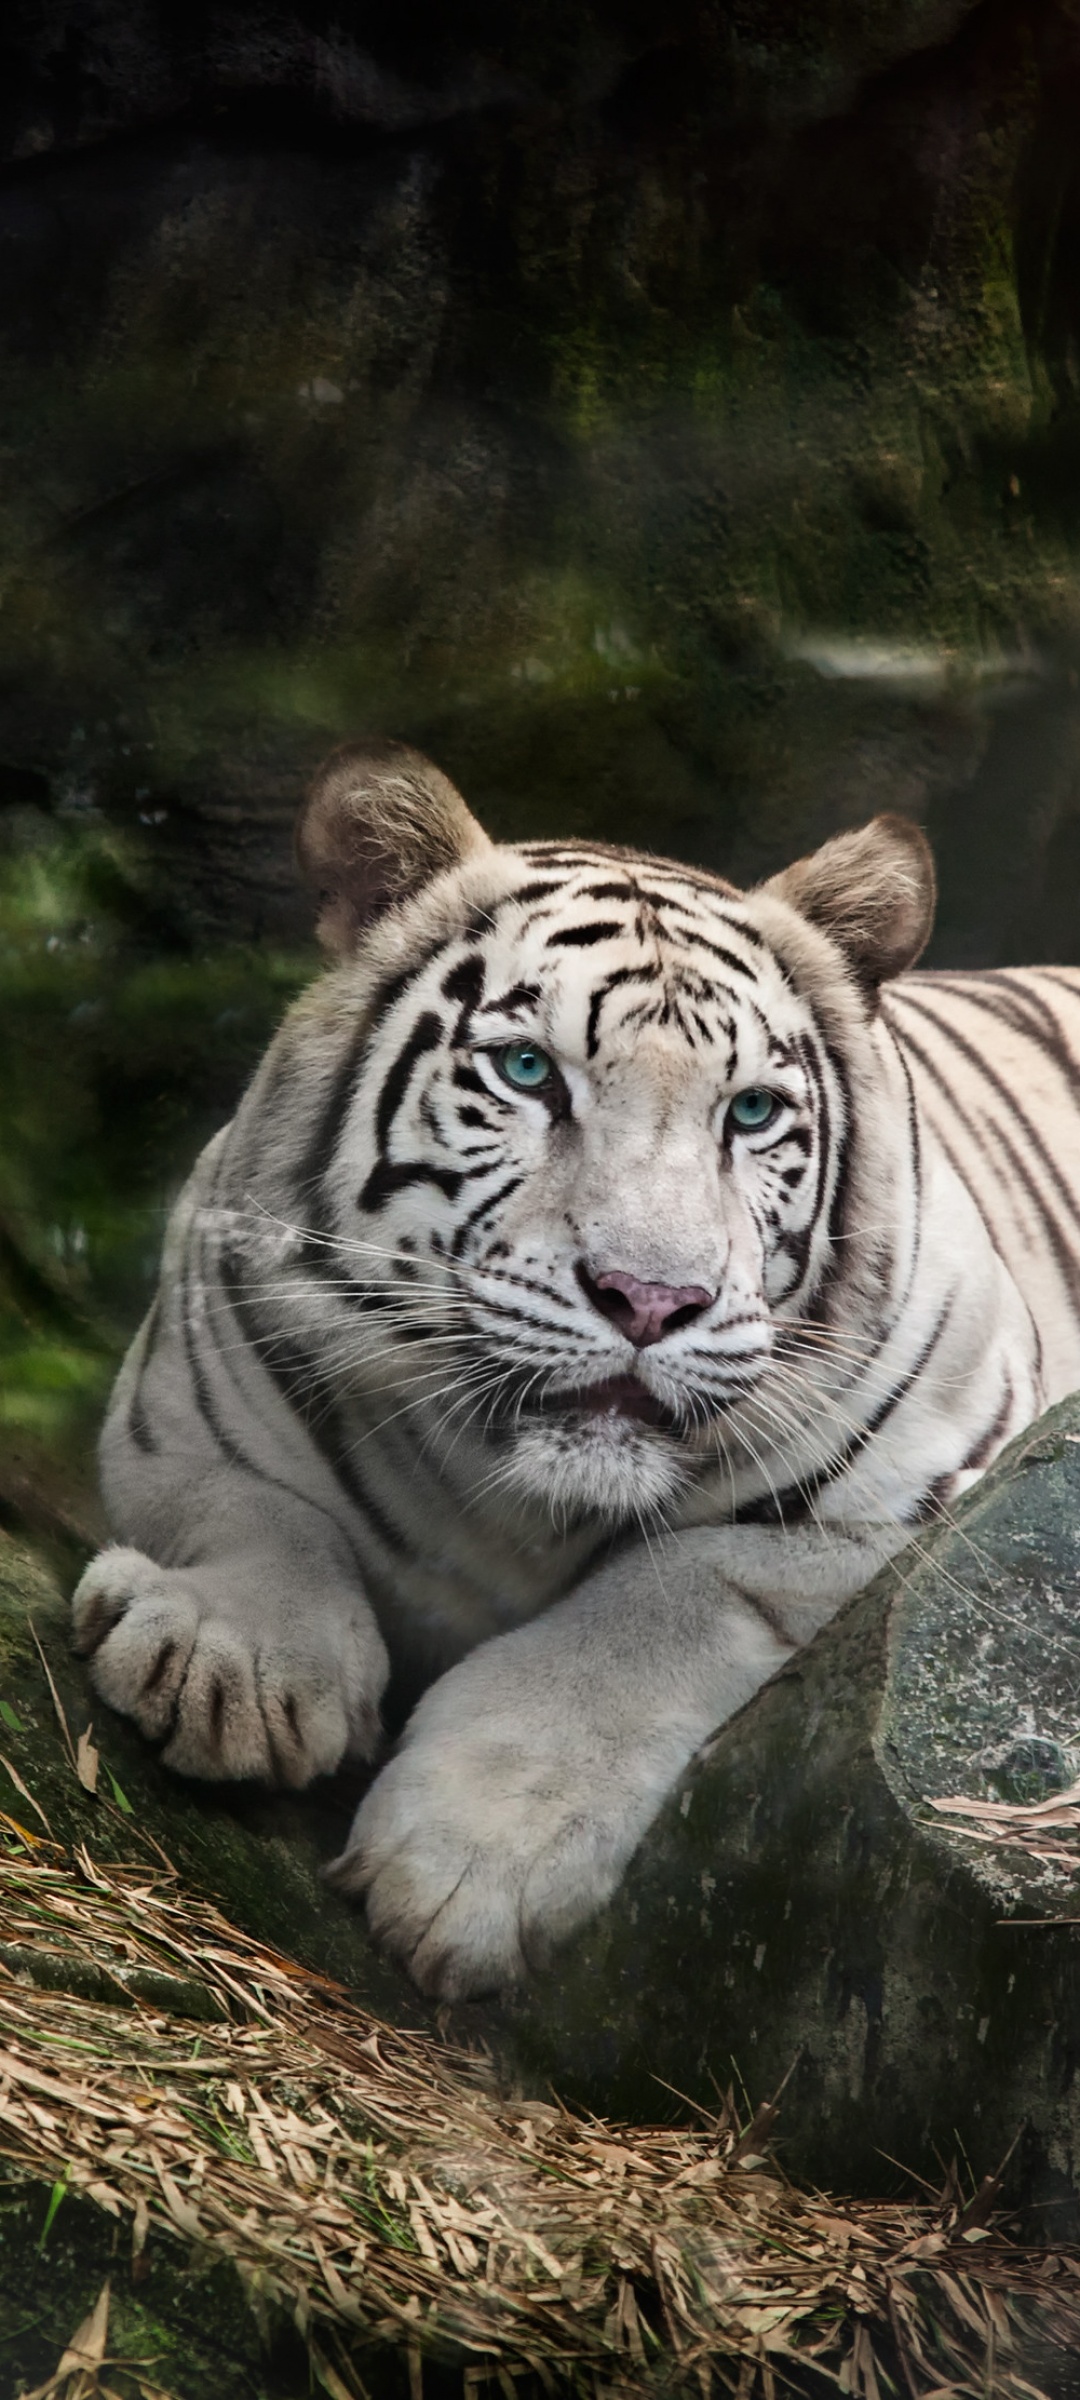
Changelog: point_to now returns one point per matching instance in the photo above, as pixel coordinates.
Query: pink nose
(644, 1312)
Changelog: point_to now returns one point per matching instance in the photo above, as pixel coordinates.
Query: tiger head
(591, 1129)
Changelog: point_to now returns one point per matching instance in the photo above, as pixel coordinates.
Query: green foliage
(117, 1060)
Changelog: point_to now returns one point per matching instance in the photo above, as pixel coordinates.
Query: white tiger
(597, 1283)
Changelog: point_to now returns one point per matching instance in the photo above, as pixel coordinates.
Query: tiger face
(594, 1146)
(584, 1159)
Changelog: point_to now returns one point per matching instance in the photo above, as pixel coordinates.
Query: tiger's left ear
(872, 892)
(377, 824)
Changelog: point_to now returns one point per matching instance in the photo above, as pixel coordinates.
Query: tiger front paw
(231, 1684)
(475, 1861)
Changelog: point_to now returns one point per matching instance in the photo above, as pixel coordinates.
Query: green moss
(116, 1060)
(187, 2324)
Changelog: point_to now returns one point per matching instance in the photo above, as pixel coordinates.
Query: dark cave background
(668, 416)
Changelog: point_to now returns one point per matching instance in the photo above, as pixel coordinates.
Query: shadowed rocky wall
(666, 416)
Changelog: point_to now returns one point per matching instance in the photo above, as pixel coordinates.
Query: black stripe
(1067, 979)
(595, 854)
(521, 995)
(915, 1153)
(990, 1440)
(426, 1035)
(465, 982)
(1008, 1100)
(324, 1139)
(797, 1246)
(386, 1179)
(482, 1209)
(1016, 1006)
(296, 1376)
(535, 1323)
(619, 975)
(204, 1401)
(581, 937)
(727, 957)
(1067, 1263)
(139, 1426)
(769, 1510)
(341, 1458)
(749, 933)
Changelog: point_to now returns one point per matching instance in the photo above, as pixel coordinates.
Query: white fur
(569, 1582)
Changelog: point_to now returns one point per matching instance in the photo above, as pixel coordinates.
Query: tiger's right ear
(377, 824)
(872, 892)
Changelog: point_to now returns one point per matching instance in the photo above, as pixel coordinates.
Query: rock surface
(802, 1911)
(799, 1905)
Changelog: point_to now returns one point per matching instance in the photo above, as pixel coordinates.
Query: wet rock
(801, 1910)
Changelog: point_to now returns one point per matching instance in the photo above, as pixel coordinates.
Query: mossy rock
(802, 1915)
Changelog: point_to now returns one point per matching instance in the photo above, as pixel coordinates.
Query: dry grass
(376, 2184)
(1045, 1830)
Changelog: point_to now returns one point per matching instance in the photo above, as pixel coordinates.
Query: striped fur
(381, 1418)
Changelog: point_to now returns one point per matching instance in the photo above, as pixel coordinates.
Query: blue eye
(750, 1110)
(524, 1065)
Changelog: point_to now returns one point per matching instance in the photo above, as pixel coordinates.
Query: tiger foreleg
(529, 1773)
(230, 1620)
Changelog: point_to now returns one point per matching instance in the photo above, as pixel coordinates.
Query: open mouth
(621, 1397)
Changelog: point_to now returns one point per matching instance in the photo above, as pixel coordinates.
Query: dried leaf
(32, 1840)
(22, 1790)
(329, 2378)
(56, 1700)
(86, 2349)
(87, 1761)
(396, 2198)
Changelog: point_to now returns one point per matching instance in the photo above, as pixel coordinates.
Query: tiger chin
(604, 1273)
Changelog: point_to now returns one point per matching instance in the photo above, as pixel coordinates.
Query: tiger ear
(872, 892)
(378, 822)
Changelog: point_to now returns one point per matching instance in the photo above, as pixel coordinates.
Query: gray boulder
(803, 1914)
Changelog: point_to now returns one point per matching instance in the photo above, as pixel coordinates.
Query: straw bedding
(378, 2187)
